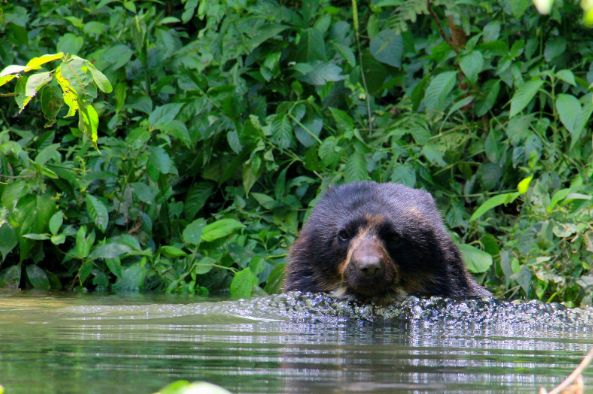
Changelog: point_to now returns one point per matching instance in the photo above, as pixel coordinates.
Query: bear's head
(373, 240)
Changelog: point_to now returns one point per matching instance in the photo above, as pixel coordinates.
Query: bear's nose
(370, 265)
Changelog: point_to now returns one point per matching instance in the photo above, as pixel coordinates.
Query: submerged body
(378, 241)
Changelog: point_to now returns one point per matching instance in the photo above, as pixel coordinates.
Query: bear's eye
(390, 235)
(343, 236)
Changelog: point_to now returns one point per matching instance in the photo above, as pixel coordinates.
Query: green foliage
(205, 131)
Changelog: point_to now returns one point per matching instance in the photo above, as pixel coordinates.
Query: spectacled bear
(378, 241)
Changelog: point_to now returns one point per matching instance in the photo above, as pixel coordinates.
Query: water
(292, 344)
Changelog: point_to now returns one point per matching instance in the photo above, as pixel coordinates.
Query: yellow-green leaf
(12, 69)
(523, 186)
(37, 62)
(6, 78)
(88, 122)
(492, 203)
(70, 95)
(34, 84)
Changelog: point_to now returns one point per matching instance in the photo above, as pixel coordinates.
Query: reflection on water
(109, 344)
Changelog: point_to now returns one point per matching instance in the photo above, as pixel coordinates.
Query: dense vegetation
(196, 136)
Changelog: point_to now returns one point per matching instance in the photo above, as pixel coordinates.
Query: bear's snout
(368, 269)
(368, 260)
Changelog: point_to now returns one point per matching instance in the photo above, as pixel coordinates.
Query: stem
(291, 116)
(360, 61)
(437, 22)
(575, 375)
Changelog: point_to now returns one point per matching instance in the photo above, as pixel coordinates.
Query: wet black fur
(413, 234)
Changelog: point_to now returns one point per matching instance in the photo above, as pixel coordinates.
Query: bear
(378, 241)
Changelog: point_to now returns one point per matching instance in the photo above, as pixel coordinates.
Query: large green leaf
(51, 103)
(97, 211)
(312, 47)
(70, 43)
(164, 114)
(132, 278)
(176, 129)
(476, 260)
(243, 283)
(203, 266)
(493, 202)
(196, 198)
(37, 277)
(8, 239)
(572, 115)
(569, 110)
(388, 47)
(172, 251)
(524, 95)
(220, 229)
(159, 162)
(319, 73)
(471, 65)
(490, 94)
(355, 168)
(437, 93)
(192, 234)
(55, 222)
(110, 250)
(100, 79)
(282, 135)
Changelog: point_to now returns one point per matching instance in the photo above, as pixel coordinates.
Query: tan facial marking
(354, 243)
(373, 220)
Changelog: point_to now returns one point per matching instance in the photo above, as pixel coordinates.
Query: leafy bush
(227, 119)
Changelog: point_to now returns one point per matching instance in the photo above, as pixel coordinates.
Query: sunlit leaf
(37, 62)
(69, 94)
(493, 202)
(7, 78)
(523, 186)
(12, 69)
(89, 122)
(34, 83)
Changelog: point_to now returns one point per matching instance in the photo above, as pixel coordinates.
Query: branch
(574, 378)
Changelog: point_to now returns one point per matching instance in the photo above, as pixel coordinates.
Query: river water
(286, 344)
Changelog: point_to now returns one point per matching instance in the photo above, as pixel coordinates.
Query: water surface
(292, 344)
